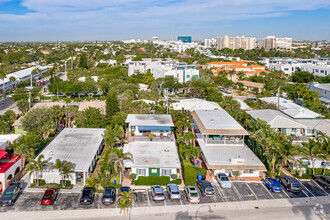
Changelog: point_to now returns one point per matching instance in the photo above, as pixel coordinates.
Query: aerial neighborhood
(138, 124)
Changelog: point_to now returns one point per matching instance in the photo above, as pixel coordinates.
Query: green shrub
(304, 176)
(155, 180)
(66, 182)
(318, 171)
(189, 173)
(236, 173)
(41, 182)
(132, 176)
(201, 171)
(174, 176)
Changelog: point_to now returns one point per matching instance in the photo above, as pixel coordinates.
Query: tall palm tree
(26, 151)
(64, 167)
(323, 141)
(126, 201)
(37, 166)
(118, 162)
(12, 79)
(311, 150)
(2, 77)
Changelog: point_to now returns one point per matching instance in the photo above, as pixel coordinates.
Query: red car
(49, 196)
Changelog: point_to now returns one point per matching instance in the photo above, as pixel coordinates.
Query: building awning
(154, 128)
(3, 153)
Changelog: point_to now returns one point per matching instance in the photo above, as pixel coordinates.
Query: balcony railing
(228, 142)
(156, 139)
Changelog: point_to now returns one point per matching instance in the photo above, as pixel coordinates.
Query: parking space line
(283, 190)
(148, 197)
(181, 201)
(165, 201)
(267, 190)
(302, 185)
(221, 193)
(237, 193)
(251, 190)
(305, 193)
(316, 183)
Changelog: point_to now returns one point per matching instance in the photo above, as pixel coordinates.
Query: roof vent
(212, 120)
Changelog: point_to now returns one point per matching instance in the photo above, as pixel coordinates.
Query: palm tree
(64, 168)
(311, 150)
(323, 140)
(37, 166)
(118, 162)
(114, 136)
(126, 201)
(183, 124)
(2, 77)
(26, 151)
(12, 79)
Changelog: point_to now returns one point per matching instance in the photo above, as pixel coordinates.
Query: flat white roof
(76, 145)
(217, 119)
(292, 109)
(153, 154)
(149, 120)
(9, 137)
(195, 104)
(223, 154)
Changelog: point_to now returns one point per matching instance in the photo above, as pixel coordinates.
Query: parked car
(323, 180)
(252, 99)
(49, 196)
(125, 189)
(173, 191)
(157, 193)
(291, 184)
(223, 180)
(206, 188)
(11, 194)
(273, 185)
(192, 194)
(87, 196)
(109, 195)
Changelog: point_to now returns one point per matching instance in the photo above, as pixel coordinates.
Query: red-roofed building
(10, 167)
(236, 67)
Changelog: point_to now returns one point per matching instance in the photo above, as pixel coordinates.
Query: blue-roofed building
(153, 155)
(184, 39)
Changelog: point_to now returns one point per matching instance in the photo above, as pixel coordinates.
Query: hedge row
(66, 182)
(189, 172)
(41, 182)
(155, 180)
(318, 171)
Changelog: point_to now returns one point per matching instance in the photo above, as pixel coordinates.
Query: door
(154, 171)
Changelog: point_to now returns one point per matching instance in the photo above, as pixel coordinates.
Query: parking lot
(240, 191)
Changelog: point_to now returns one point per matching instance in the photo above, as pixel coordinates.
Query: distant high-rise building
(210, 42)
(271, 42)
(184, 39)
(246, 43)
(267, 43)
(154, 38)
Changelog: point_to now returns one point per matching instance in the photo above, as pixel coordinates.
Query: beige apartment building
(246, 43)
(269, 42)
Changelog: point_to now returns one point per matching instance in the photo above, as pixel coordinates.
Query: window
(188, 76)
(166, 172)
(249, 171)
(141, 172)
(306, 163)
(132, 127)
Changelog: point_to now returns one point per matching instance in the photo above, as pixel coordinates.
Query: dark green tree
(83, 61)
(112, 106)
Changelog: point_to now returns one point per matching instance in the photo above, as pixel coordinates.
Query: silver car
(192, 194)
(157, 193)
(223, 180)
(173, 191)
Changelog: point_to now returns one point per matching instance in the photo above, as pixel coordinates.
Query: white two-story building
(221, 140)
(155, 154)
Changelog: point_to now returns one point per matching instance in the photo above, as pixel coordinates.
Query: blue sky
(65, 20)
